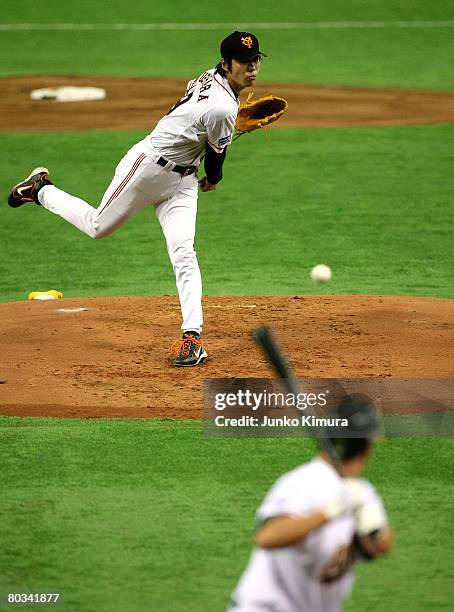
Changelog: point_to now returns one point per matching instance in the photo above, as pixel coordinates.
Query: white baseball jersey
(313, 575)
(205, 114)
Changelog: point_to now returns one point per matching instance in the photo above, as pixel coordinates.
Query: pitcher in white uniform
(313, 525)
(161, 170)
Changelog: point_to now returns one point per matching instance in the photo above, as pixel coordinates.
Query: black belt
(183, 170)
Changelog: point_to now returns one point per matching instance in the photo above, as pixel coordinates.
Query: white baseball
(321, 273)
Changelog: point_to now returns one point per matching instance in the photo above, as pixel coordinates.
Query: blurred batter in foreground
(315, 524)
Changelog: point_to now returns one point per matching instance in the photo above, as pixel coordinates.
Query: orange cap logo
(247, 41)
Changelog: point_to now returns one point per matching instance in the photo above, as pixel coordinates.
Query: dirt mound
(111, 359)
(138, 103)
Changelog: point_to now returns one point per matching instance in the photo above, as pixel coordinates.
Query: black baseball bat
(275, 356)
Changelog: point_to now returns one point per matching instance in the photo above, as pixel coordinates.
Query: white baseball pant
(138, 182)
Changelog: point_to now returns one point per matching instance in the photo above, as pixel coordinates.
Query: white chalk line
(302, 25)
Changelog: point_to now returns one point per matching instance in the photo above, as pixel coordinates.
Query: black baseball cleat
(190, 351)
(27, 191)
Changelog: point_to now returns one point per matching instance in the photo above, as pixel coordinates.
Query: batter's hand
(349, 499)
(370, 518)
(205, 185)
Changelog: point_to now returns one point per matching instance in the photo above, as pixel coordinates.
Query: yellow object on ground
(52, 294)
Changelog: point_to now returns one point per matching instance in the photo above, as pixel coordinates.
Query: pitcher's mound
(110, 357)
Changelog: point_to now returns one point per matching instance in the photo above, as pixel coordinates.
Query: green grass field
(151, 515)
(410, 57)
(377, 202)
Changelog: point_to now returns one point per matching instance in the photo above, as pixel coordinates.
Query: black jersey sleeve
(213, 164)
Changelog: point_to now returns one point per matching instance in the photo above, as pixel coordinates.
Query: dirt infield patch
(112, 360)
(138, 103)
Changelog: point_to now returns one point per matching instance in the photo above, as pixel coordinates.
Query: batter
(161, 170)
(313, 526)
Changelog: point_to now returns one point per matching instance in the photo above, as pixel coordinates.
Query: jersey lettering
(184, 99)
(206, 81)
(338, 565)
(205, 78)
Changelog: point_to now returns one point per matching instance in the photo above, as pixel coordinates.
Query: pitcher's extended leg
(120, 202)
(177, 217)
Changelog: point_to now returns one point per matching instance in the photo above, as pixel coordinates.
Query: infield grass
(152, 515)
(375, 204)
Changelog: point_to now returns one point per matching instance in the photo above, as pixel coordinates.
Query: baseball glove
(255, 114)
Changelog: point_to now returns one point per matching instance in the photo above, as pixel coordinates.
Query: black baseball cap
(362, 428)
(361, 415)
(241, 46)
